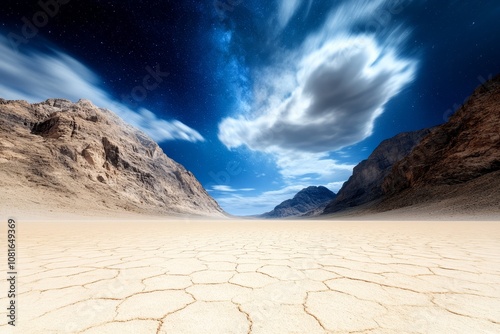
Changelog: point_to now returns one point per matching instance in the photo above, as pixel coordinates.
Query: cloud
(223, 188)
(324, 95)
(334, 186)
(339, 92)
(36, 76)
(249, 205)
(318, 165)
(287, 9)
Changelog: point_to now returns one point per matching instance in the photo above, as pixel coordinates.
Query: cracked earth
(257, 277)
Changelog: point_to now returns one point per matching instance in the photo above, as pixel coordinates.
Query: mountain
(365, 184)
(459, 159)
(304, 203)
(66, 156)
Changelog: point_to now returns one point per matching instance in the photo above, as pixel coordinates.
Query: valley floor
(196, 276)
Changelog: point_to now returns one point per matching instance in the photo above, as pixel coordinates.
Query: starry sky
(257, 98)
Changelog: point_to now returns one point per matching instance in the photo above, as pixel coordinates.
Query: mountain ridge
(305, 201)
(365, 184)
(453, 168)
(76, 155)
(459, 153)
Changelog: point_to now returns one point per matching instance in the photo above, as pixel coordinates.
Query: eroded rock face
(365, 184)
(77, 155)
(463, 149)
(303, 203)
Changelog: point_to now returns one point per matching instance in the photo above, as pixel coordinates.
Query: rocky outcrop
(76, 156)
(462, 150)
(365, 184)
(305, 203)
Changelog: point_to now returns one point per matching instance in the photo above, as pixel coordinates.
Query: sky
(257, 98)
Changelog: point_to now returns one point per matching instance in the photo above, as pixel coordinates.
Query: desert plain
(249, 276)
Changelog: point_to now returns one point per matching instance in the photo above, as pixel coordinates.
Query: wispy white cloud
(248, 205)
(36, 76)
(287, 9)
(224, 188)
(293, 165)
(334, 186)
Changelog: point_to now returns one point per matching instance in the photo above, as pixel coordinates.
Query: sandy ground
(196, 276)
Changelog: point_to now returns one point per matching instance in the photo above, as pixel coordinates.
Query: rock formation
(365, 184)
(75, 156)
(306, 202)
(465, 149)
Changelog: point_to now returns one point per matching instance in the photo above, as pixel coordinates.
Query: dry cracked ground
(257, 277)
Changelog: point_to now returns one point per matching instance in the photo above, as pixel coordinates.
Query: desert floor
(196, 276)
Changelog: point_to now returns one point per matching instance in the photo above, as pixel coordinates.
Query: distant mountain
(365, 184)
(304, 203)
(460, 159)
(76, 157)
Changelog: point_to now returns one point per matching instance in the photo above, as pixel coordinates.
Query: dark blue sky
(262, 98)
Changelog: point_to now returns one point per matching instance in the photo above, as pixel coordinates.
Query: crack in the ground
(411, 264)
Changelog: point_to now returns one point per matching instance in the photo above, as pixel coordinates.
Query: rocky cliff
(75, 156)
(365, 184)
(305, 201)
(463, 151)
